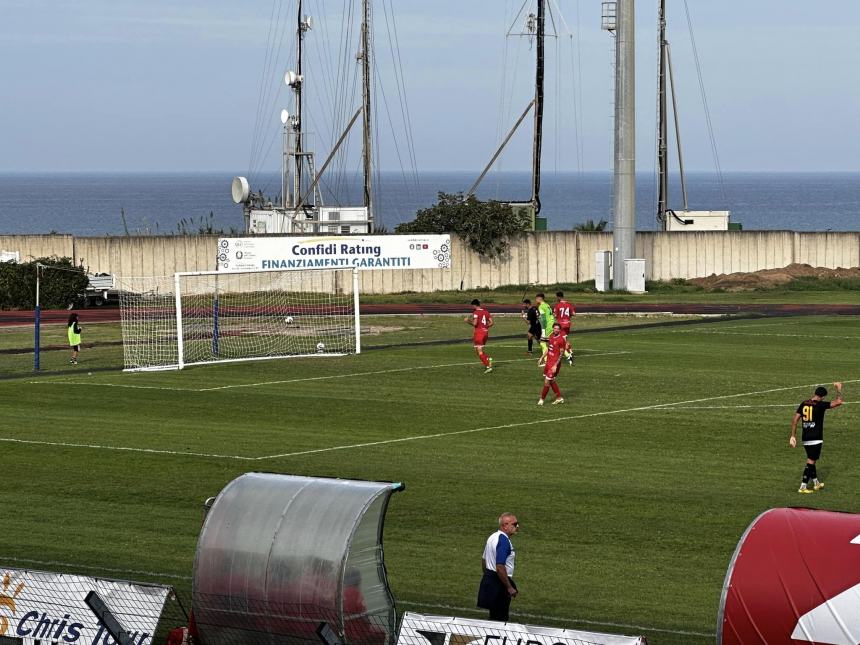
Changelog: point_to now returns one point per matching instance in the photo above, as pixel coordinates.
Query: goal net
(200, 317)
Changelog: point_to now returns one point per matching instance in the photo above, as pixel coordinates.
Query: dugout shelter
(794, 578)
(290, 559)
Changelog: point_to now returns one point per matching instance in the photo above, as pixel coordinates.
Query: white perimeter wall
(544, 257)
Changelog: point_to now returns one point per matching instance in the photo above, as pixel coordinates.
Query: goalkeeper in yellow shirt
(547, 320)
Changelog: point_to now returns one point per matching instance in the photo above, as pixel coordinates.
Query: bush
(59, 285)
(485, 226)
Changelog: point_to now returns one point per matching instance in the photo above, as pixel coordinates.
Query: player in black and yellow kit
(811, 412)
(532, 318)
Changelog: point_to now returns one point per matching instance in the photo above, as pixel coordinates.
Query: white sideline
(581, 621)
(173, 576)
(522, 424)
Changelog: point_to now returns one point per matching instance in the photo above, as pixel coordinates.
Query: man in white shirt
(497, 584)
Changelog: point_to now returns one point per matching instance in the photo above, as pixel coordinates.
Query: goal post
(203, 317)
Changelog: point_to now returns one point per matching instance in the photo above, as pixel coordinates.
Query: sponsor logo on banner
(37, 606)
(420, 629)
(335, 252)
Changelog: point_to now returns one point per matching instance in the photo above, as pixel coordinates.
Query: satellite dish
(241, 190)
(285, 116)
(290, 78)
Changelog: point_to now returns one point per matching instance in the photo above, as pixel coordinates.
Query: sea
(116, 204)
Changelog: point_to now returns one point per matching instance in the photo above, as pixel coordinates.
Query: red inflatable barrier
(794, 578)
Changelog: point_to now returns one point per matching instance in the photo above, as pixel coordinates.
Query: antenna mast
(662, 143)
(662, 121)
(538, 125)
(365, 91)
(301, 28)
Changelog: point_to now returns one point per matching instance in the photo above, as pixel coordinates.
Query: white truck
(101, 290)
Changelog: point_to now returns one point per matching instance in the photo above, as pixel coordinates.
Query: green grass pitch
(631, 496)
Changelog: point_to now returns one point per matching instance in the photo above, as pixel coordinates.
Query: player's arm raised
(835, 403)
(792, 440)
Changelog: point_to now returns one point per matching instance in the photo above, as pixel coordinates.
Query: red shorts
(479, 338)
(565, 329)
(551, 369)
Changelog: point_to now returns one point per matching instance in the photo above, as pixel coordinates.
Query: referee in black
(811, 412)
(530, 313)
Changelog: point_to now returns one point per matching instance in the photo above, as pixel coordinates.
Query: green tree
(485, 226)
(59, 285)
(589, 226)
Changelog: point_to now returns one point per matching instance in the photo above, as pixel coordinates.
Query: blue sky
(164, 85)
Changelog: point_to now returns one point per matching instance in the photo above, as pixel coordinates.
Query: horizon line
(401, 172)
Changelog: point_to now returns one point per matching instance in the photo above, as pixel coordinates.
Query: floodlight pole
(624, 207)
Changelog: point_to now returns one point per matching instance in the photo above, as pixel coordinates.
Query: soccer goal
(201, 317)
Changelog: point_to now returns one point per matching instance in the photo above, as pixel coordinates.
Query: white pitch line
(531, 423)
(77, 566)
(414, 437)
(740, 407)
(578, 350)
(565, 619)
(295, 380)
(784, 323)
(747, 333)
(154, 451)
(731, 407)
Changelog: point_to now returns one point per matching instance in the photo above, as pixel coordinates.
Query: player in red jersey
(564, 313)
(481, 320)
(557, 345)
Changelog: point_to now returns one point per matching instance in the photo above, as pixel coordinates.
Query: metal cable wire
(394, 48)
(705, 104)
(271, 60)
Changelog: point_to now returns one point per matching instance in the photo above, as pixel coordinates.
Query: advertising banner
(335, 252)
(421, 629)
(794, 578)
(38, 606)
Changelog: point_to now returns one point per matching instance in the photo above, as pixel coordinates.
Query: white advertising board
(421, 629)
(38, 606)
(335, 252)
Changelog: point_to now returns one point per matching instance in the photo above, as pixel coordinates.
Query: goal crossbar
(204, 317)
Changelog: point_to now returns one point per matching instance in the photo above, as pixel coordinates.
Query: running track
(111, 314)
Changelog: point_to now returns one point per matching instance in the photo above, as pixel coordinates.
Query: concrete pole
(624, 199)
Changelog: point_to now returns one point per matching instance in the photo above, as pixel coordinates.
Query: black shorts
(535, 330)
(75, 348)
(813, 452)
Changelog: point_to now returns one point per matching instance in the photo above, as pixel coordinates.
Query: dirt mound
(770, 277)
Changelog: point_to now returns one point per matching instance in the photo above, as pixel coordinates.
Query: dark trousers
(493, 596)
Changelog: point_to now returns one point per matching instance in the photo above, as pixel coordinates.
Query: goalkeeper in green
(547, 320)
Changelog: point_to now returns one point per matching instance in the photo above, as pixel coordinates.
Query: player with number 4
(481, 320)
